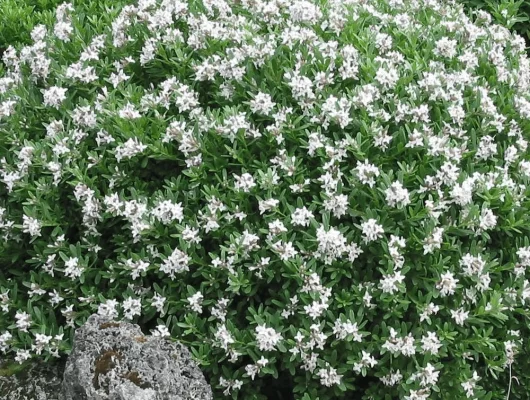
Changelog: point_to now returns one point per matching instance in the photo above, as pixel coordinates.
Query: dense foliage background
(519, 12)
(18, 17)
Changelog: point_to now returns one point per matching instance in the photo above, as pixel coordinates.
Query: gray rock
(113, 360)
(38, 381)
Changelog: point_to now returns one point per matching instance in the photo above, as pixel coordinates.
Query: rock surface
(39, 381)
(116, 361)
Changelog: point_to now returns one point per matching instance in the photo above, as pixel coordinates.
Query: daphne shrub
(322, 200)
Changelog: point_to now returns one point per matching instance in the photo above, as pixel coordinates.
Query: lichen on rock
(37, 381)
(111, 363)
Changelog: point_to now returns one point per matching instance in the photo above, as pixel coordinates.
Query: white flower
(486, 148)
(177, 262)
(166, 211)
(253, 369)
(244, 182)
(54, 96)
(392, 379)
(276, 227)
(267, 338)
(367, 361)
(4, 339)
(331, 244)
(230, 385)
(38, 33)
(31, 225)
(286, 250)
(404, 345)
(329, 376)
(422, 394)
(343, 329)
(84, 116)
(158, 302)
(262, 104)
(446, 47)
(136, 267)
(73, 269)
(4, 302)
(524, 256)
(337, 110)
(196, 302)
(219, 310)
(397, 195)
(41, 341)
(23, 320)
(266, 205)
(129, 149)
(223, 337)
(301, 217)
(430, 343)
(387, 77)
(434, 241)
(372, 230)
(472, 266)
(63, 27)
(22, 355)
(487, 220)
(132, 307)
(129, 112)
(148, 51)
(337, 204)
(460, 316)
(470, 384)
(367, 172)
(462, 194)
(428, 376)
(191, 235)
(304, 11)
(116, 78)
(389, 283)
(524, 168)
(447, 284)
(408, 347)
(35, 290)
(161, 331)
(315, 309)
(428, 311)
(108, 309)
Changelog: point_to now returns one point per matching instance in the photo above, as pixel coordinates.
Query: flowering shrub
(514, 14)
(18, 17)
(330, 198)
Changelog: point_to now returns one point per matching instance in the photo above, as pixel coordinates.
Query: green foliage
(18, 17)
(16, 21)
(510, 13)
